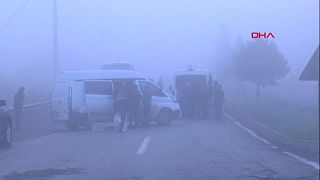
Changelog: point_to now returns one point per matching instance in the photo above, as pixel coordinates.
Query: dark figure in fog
(135, 104)
(218, 99)
(18, 105)
(121, 104)
(146, 103)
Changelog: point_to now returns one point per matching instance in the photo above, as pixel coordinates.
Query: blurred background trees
(261, 63)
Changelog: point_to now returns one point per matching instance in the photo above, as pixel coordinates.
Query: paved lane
(207, 149)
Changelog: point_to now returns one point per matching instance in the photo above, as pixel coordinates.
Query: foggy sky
(163, 35)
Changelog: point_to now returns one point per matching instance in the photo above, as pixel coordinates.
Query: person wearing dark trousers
(134, 100)
(18, 105)
(218, 100)
(121, 104)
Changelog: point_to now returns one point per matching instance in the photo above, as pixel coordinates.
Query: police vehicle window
(98, 87)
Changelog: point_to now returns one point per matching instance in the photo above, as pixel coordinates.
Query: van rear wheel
(164, 117)
(6, 140)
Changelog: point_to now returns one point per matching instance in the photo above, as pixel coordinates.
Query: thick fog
(158, 37)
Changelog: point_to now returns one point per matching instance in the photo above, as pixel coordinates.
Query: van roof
(117, 66)
(191, 72)
(99, 75)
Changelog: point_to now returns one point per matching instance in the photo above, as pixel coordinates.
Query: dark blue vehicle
(5, 126)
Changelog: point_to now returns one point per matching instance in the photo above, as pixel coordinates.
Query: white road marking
(26, 145)
(144, 145)
(253, 133)
(305, 161)
(310, 163)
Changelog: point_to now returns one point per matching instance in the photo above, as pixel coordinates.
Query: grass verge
(296, 120)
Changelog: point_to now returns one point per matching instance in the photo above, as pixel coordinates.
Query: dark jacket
(19, 100)
(121, 104)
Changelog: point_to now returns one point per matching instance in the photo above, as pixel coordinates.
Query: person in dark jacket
(218, 99)
(135, 104)
(18, 105)
(121, 104)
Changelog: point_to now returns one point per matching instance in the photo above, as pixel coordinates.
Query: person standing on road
(18, 105)
(134, 100)
(218, 99)
(121, 105)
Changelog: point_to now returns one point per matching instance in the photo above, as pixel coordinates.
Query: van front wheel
(164, 117)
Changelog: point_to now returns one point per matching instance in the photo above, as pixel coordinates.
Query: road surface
(186, 149)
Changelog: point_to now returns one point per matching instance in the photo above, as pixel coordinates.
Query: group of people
(196, 99)
(130, 105)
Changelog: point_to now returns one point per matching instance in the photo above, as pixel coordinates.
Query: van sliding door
(99, 100)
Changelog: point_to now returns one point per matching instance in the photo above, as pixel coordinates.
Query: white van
(83, 97)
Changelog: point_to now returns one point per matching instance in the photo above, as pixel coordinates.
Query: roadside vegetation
(296, 120)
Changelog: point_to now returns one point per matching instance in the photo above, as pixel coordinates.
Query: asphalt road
(186, 149)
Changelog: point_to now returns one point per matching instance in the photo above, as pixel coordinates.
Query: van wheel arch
(164, 116)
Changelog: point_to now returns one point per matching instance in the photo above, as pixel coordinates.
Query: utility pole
(103, 33)
(55, 39)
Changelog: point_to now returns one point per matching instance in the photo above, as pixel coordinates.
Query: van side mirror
(3, 103)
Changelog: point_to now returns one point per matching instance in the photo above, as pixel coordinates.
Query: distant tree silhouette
(261, 63)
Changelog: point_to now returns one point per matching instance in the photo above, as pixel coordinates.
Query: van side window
(154, 90)
(98, 87)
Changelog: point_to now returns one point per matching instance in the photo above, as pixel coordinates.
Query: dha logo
(264, 35)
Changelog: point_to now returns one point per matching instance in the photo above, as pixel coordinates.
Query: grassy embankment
(297, 120)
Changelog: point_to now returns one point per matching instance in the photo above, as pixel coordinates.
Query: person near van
(134, 100)
(218, 99)
(121, 104)
(18, 105)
